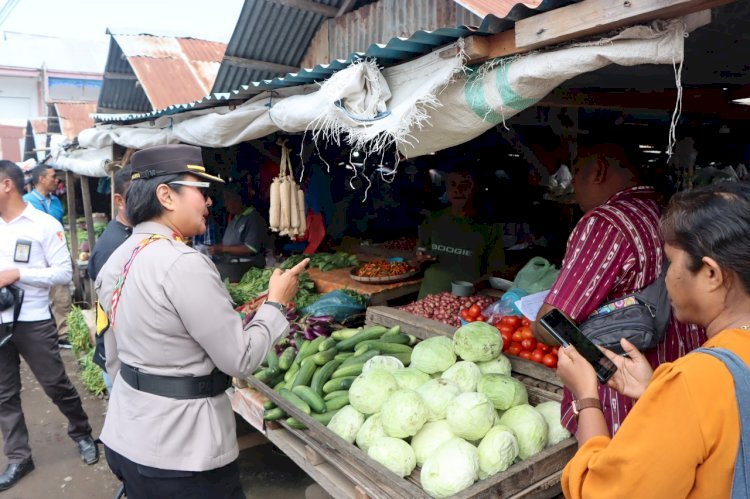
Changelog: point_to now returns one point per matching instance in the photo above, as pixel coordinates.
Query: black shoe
(63, 343)
(14, 472)
(88, 449)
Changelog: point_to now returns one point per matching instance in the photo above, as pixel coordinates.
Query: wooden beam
(86, 200)
(592, 17)
(70, 187)
(120, 76)
(310, 6)
(242, 62)
(345, 7)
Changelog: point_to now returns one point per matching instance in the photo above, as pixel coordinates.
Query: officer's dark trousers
(144, 482)
(37, 343)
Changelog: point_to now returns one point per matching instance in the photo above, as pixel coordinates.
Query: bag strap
(741, 374)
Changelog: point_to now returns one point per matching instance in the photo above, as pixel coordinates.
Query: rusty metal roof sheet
(145, 73)
(73, 117)
(497, 8)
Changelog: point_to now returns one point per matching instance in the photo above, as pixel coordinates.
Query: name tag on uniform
(23, 251)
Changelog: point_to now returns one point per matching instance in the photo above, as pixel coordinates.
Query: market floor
(61, 473)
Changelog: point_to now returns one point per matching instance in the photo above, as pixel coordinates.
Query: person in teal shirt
(44, 180)
(459, 247)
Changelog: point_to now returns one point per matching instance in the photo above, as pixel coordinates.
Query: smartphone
(568, 333)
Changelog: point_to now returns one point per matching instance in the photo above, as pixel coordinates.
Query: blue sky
(89, 19)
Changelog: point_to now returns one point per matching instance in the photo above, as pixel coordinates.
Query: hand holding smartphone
(567, 333)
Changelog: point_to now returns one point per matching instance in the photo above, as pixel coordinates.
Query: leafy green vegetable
(91, 374)
(255, 282)
(78, 332)
(323, 261)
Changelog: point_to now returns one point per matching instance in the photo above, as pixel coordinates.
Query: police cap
(169, 159)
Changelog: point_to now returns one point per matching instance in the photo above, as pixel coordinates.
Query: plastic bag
(505, 305)
(537, 275)
(339, 304)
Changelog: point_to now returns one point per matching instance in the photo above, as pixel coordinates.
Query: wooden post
(112, 194)
(86, 199)
(71, 194)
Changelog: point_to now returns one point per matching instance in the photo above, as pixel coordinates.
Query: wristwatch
(581, 404)
(281, 308)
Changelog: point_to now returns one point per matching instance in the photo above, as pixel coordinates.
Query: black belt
(197, 387)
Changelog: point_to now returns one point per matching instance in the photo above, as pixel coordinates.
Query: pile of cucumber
(316, 379)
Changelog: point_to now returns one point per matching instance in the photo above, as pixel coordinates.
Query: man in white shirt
(33, 257)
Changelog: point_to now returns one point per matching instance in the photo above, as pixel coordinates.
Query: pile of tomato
(519, 340)
(473, 314)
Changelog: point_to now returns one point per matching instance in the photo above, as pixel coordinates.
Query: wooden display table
(325, 282)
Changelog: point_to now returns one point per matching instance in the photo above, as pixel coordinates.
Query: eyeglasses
(201, 186)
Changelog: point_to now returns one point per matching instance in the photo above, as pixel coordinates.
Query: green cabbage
(529, 427)
(371, 389)
(453, 468)
(403, 414)
(433, 355)
(394, 454)
(504, 391)
(346, 423)
(465, 373)
(471, 415)
(497, 451)
(477, 342)
(370, 431)
(385, 362)
(437, 394)
(556, 432)
(500, 365)
(410, 378)
(429, 438)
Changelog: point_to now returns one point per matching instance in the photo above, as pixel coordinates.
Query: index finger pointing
(300, 267)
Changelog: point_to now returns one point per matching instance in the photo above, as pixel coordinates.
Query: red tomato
(511, 320)
(525, 321)
(525, 354)
(555, 349)
(550, 360)
(475, 311)
(469, 319)
(525, 332)
(528, 344)
(504, 328)
(481, 318)
(537, 356)
(517, 336)
(515, 348)
(543, 347)
(464, 314)
(506, 340)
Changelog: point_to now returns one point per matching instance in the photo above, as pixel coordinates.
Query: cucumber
(324, 418)
(400, 339)
(322, 358)
(307, 394)
(280, 384)
(269, 405)
(413, 340)
(322, 375)
(337, 403)
(305, 374)
(345, 334)
(295, 424)
(335, 394)
(338, 384)
(267, 374)
(405, 358)
(291, 372)
(387, 348)
(274, 414)
(298, 402)
(350, 370)
(343, 356)
(313, 346)
(301, 348)
(370, 333)
(360, 358)
(325, 345)
(272, 360)
(286, 358)
(394, 330)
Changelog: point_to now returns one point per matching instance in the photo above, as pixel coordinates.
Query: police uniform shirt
(35, 244)
(50, 205)
(175, 318)
(249, 229)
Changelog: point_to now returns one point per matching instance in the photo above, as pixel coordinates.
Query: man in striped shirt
(614, 250)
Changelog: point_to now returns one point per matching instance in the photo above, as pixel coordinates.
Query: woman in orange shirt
(682, 437)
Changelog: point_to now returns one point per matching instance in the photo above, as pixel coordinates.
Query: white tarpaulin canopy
(422, 106)
(91, 162)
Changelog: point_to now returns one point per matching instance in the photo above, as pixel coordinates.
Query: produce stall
(378, 293)
(342, 468)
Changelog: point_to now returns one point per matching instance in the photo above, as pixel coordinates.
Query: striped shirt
(617, 249)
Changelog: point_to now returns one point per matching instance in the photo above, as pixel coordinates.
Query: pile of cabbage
(455, 412)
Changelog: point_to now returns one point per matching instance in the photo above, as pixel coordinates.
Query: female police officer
(169, 430)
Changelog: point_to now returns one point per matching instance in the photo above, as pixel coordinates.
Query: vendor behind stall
(246, 235)
(460, 247)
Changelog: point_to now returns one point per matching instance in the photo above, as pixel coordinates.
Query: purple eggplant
(320, 329)
(327, 319)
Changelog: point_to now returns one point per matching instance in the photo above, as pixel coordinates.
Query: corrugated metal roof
(395, 51)
(497, 8)
(169, 71)
(73, 117)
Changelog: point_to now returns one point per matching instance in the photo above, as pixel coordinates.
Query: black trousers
(37, 343)
(145, 482)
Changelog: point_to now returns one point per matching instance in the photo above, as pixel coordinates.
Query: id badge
(23, 251)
